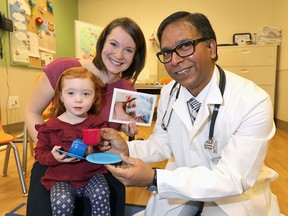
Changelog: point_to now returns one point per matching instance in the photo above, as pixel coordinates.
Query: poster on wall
(86, 36)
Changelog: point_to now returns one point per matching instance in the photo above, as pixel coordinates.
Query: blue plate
(104, 158)
(70, 154)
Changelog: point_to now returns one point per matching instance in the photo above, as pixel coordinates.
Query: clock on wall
(241, 38)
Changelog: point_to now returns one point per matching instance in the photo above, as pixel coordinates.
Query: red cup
(91, 136)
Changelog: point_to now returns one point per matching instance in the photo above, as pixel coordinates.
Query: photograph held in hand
(128, 106)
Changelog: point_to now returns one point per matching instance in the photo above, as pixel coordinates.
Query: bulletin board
(33, 40)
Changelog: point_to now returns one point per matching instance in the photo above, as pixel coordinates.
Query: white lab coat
(236, 177)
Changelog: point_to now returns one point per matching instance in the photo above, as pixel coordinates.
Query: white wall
(226, 16)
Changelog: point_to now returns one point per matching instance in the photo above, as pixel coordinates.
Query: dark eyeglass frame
(188, 42)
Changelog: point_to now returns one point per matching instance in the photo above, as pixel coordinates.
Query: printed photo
(130, 106)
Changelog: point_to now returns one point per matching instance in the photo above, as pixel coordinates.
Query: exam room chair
(7, 140)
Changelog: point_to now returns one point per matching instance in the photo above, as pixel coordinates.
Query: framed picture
(128, 106)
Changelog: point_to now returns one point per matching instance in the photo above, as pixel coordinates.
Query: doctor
(216, 158)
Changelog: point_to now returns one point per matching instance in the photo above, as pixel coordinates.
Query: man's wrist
(154, 181)
(153, 186)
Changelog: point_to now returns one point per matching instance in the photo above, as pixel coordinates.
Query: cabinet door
(259, 75)
(247, 56)
(264, 77)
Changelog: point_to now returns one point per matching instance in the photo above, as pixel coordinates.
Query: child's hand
(62, 157)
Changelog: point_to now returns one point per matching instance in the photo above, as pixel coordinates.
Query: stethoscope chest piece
(211, 145)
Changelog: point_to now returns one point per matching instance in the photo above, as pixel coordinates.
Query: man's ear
(211, 44)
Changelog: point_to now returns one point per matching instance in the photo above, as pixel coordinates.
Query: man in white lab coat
(219, 169)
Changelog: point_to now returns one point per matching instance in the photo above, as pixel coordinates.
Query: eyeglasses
(183, 50)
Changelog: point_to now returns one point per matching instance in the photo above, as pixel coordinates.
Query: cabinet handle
(244, 71)
(245, 51)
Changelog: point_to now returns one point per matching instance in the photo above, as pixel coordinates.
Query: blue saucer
(104, 158)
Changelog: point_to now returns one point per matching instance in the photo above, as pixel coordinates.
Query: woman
(120, 56)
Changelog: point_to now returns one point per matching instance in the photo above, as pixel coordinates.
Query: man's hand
(113, 142)
(133, 172)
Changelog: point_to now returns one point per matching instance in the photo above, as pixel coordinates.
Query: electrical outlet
(13, 102)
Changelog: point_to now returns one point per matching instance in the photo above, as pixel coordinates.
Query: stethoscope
(211, 143)
(175, 88)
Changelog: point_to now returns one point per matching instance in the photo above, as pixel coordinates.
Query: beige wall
(227, 18)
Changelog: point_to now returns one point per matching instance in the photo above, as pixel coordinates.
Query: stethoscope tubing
(174, 87)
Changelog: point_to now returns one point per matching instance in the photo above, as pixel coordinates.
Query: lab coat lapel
(180, 108)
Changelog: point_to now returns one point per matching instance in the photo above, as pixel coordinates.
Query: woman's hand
(133, 172)
(130, 129)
